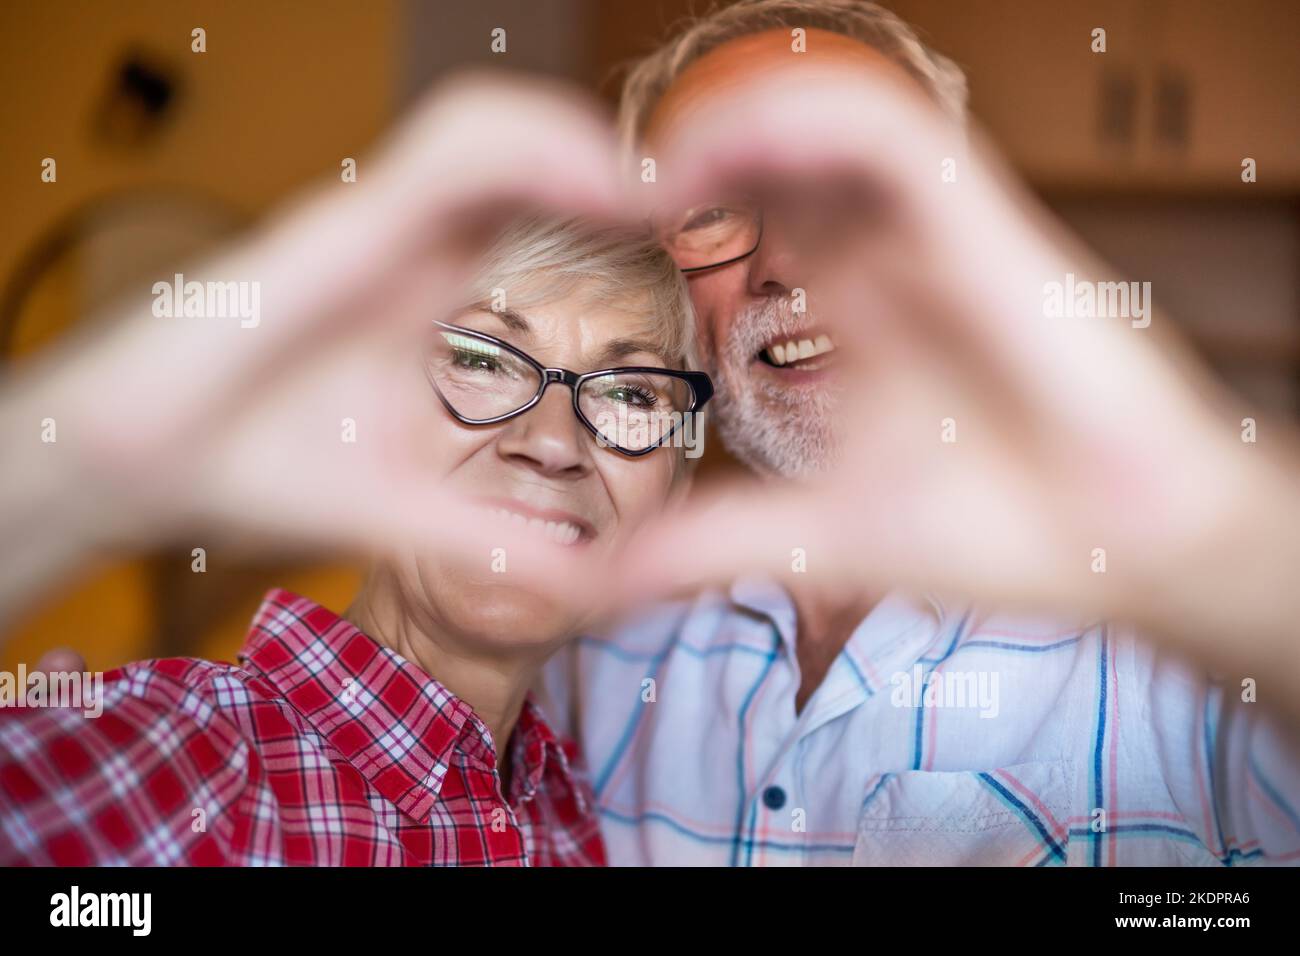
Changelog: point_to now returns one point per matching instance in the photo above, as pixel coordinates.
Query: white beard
(786, 432)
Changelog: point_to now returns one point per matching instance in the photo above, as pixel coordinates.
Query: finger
(737, 530)
(477, 147)
(850, 126)
(485, 147)
(411, 517)
(941, 243)
(535, 140)
(61, 660)
(964, 262)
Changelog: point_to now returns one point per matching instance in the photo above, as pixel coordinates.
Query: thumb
(736, 530)
(61, 660)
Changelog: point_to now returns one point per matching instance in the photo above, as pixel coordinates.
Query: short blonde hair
(540, 259)
(869, 23)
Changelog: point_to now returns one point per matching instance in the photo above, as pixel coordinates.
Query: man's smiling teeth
(796, 350)
(561, 532)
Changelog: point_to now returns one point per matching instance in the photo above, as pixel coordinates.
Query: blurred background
(163, 152)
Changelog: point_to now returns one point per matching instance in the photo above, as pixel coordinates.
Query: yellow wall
(283, 93)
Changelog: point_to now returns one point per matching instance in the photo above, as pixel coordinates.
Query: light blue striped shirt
(936, 738)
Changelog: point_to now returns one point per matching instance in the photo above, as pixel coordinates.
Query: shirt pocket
(1012, 816)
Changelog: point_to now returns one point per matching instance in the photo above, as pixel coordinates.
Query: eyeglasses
(483, 380)
(712, 234)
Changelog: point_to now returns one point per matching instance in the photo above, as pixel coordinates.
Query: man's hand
(989, 450)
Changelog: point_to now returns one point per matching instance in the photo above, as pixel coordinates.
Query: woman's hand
(173, 425)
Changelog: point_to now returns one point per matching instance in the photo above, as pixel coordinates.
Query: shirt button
(774, 798)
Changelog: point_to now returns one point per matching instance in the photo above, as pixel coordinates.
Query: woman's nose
(548, 437)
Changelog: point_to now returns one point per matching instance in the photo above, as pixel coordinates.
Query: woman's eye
(463, 358)
(631, 395)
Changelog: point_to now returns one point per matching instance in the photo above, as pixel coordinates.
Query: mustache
(760, 323)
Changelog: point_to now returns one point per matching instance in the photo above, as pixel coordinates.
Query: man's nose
(548, 437)
(775, 266)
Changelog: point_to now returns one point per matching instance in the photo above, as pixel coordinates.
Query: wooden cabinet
(1184, 91)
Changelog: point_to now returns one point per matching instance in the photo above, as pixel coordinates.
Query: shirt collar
(397, 725)
(535, 752)
(893, 636)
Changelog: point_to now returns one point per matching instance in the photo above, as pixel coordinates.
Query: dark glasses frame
(699, 383)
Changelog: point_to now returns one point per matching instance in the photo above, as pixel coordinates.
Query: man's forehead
(748, 57)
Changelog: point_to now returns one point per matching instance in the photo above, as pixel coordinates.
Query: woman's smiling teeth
(561, 532)
(796, 350)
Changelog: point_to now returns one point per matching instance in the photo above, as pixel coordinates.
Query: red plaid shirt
(324, 747)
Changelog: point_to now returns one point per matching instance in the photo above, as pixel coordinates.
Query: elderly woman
(402, 731)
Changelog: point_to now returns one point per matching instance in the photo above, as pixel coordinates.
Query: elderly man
(766, 725)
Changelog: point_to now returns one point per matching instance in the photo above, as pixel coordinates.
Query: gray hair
(867, 22)
(541, 259)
